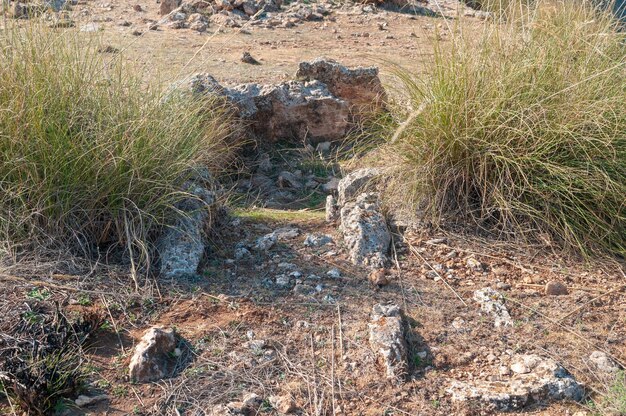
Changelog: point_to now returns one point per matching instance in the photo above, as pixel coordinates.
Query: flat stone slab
(534, 379)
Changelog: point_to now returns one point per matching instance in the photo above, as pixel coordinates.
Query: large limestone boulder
(359, 87)
(150, 359)
(293, 110)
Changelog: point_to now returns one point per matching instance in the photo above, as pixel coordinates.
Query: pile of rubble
(238, 13)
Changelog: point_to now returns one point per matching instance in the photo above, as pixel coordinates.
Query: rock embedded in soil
(603, 362)
(182, 246)
(387, 340)
(151, 357)
(332, 213)
(83, 400)
(534, 380)
(265, 243)
(555, 288)
(492, 302)
(355, 183)
(283, 404)
(365, 231)
(247, 58)
(317, 240)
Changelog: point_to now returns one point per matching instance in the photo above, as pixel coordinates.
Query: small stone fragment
(334, 273)
(379, 278)
(555, 288)
(492, 302)
(283, 404)
(282, 281)
(246, 58)
(603, 362)
(83, 400)
(266, 242)
(317, 240)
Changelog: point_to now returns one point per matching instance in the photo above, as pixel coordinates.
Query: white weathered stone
(317, 240)
(332, 212)
(265, 242)
(602, 362)
(537, 380)
(387, 339)
(82, 400)
(150, 359)
(492, 302)
(365, 232)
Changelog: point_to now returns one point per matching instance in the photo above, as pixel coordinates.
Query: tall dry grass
(92, 156)
(522, 129)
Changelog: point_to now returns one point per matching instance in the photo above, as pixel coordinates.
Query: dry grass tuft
(522, 131)
(92, 155)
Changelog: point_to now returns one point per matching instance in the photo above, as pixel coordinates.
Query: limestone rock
(492, 302)
(365, 231)
(535, 379)
(387, 339)
(265, 242)
(292, 111)
(360, 87)
(283, 404)
(82, 400)
(603, 363)
(181, 247)
(355, 183)
(167, 6)
(150, 359)
(331, 185)
(317, 240)
(332, 213)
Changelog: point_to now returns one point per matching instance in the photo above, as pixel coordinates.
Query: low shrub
(92, 156)
(522, 130)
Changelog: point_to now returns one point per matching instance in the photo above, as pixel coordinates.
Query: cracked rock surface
(534, 379)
